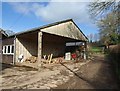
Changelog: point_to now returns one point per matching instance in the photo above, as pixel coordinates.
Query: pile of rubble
(46, 60)
(53, 61)
(31, 59)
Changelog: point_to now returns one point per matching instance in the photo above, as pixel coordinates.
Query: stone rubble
(40, 80)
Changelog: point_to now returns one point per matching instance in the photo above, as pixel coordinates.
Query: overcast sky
(20, 16)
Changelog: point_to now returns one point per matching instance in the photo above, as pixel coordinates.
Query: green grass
(96, 49)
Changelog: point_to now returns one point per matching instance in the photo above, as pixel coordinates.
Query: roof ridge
(44, 26)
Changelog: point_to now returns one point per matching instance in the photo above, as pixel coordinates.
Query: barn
(44, 40)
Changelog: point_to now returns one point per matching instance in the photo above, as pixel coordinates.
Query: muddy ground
(46, 77)
(96, 73)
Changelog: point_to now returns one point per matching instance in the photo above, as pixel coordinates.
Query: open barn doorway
(75, 50)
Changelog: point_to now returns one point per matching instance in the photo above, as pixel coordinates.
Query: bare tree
(100, 9)
(96, 37)
(91, 37)
(107, 16)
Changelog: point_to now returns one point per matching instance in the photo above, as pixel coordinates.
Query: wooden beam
(39, 46)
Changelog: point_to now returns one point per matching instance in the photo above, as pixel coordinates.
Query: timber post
(39, 46)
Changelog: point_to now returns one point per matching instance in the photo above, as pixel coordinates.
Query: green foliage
(96, 49)
(107, 15)
(114, 55)
(118, 39)
(108, 29)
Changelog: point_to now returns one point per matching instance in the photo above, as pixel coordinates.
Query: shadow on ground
(4, 66)
(98, 74)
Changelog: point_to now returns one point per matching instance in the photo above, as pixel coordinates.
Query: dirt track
(23, 77)
(97, 74)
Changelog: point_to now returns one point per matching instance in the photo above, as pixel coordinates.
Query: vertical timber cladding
(53, 44)
(26, 44)
(67, 29)
(20, 49)
(0, 46)
(23, 46)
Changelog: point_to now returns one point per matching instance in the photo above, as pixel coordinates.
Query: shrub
(114, 54)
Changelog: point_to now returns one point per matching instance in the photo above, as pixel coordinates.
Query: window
(12, 50)
(8, 49)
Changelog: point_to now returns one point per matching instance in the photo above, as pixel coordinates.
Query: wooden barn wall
(7, 58)
(26, 45)
(21, 49)
(67, 29)
(55, 48)
(52, 44)
(8, 41)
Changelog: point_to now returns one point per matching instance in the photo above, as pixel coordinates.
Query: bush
(114, 54)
